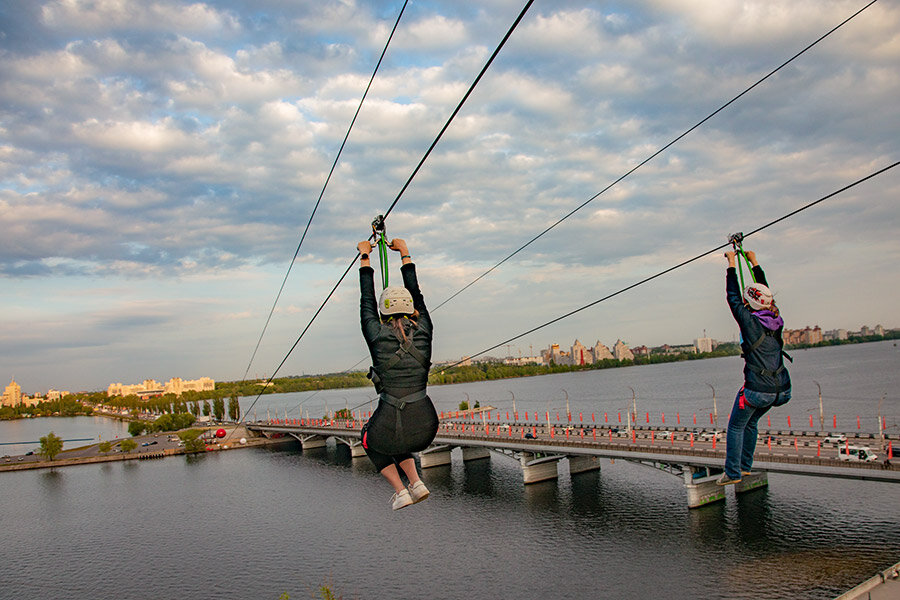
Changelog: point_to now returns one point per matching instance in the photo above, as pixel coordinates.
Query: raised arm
(757, 270)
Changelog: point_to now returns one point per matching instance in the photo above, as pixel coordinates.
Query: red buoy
(220, 433)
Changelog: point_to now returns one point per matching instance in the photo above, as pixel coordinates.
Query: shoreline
(255, 442)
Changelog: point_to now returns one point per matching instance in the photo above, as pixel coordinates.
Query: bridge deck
(799, 456)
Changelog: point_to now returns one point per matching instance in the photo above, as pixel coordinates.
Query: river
(258, 523)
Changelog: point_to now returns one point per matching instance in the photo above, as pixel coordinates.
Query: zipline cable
(681, 264)
(397, 199)
(628, 173)
(654, 155)
(460, 105)
(322, 193)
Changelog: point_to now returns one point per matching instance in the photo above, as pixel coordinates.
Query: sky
(159, 161)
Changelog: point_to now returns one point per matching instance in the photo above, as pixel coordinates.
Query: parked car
(707, 436)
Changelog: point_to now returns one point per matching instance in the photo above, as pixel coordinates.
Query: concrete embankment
(251, 442)
(883, 586)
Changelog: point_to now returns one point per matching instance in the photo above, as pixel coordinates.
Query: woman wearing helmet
(398, 332)
(766, 380)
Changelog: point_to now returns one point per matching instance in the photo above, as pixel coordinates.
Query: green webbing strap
(383, 257)
(739, 252)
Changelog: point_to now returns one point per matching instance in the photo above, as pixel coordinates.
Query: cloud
(173, 152)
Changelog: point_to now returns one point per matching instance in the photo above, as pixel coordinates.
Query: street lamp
(715, 408)
(633, 416)
(821, 408)
(568, 414)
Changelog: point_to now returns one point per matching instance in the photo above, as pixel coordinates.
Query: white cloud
(176, 149)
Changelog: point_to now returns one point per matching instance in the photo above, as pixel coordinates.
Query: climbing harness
(379, 232)
(735, 240)
(406, 347)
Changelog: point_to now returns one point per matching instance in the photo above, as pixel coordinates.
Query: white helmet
(396, 300)
(758, 296)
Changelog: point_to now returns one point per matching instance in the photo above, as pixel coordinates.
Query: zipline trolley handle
(735, 239)
(378, 225)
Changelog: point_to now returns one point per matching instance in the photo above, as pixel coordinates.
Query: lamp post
(514, 402)
(821, 408)
(715, 408)
(633, 416)
(568, 414)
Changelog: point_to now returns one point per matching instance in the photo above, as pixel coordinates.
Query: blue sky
(159, 160)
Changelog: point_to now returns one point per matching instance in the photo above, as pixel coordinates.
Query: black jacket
(408, 375)
(764, 368)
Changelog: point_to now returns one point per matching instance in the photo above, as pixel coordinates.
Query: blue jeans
(742, 429)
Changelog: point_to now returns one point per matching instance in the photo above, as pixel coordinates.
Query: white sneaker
(418, 491)
(400, 500)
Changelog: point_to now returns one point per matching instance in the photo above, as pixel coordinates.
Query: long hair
(398, 323)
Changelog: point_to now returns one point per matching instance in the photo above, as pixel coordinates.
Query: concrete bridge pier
(536, 467)
(310, 441)
(583, 464)
(753, 481)
(701, 486)
(475, 453)
(355, 445)
(435, 456)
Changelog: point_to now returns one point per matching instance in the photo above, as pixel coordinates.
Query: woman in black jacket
(766, 379)
(398, 332)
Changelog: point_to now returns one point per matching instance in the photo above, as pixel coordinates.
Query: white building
(703, 344)
(601, 352)
(621, 351)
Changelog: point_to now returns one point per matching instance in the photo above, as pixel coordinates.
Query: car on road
(707, 436)
(529, 436)
(835, 438)
(857, 454)
(664, 435)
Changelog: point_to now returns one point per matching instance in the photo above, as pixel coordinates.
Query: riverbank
(91, 455)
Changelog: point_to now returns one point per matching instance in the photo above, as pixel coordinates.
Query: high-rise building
(12, 396)
(621, 351)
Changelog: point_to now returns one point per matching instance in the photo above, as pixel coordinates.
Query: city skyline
(176, 385)
(161, 159)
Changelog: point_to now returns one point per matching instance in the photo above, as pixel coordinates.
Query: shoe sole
(729, 482)
(420, 498)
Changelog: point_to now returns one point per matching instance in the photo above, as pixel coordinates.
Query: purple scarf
(770, 320)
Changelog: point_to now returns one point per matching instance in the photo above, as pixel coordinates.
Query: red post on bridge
(834, 421)
(789, 421)
(678, 418)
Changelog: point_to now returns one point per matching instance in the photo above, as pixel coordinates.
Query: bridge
(694, 455)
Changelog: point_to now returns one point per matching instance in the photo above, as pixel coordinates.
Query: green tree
(206, 410)
(234, 409)
(51, 445)
(192, 441)
(136, 428)
(219, 409)
(463, 405)
(104, 447)
(127, 445)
